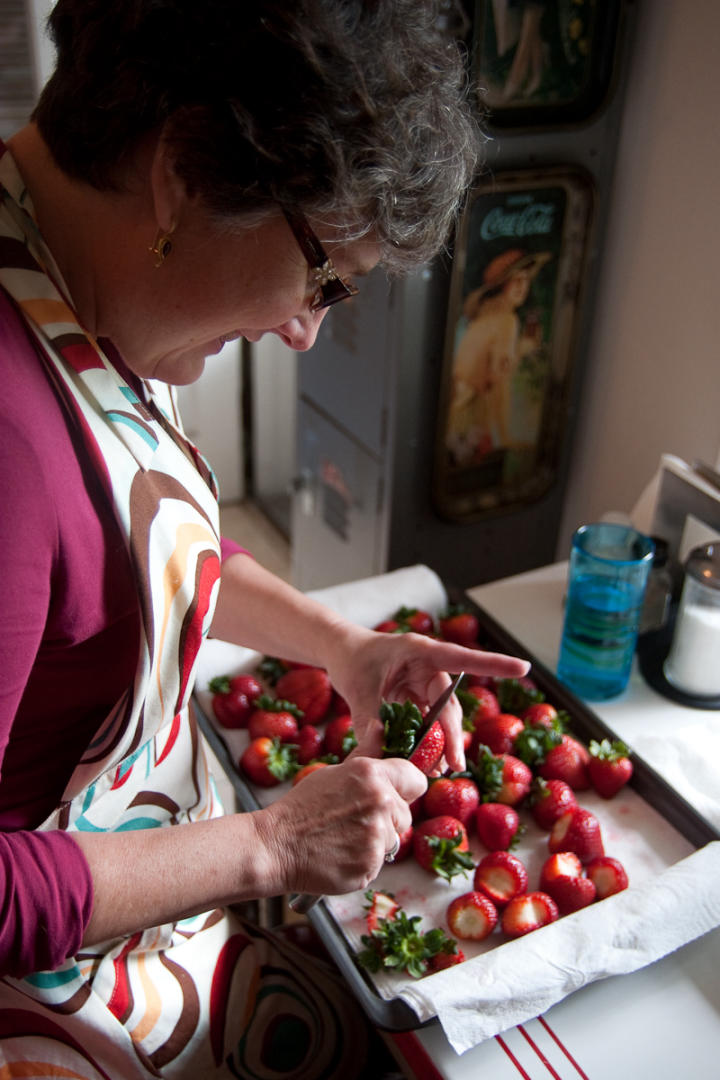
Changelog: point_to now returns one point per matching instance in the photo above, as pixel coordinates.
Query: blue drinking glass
(609, 567)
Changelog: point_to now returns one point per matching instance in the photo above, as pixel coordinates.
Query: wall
(654, 373)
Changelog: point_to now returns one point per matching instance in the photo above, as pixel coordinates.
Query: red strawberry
(339, 705)
(429, 750)
(608, 875)
(268, 762)
(309, 741)
(274, 719)
(380, 906)
(472, 916)
(459, 625)
(500, 876)
(564, 762)
(498, 732)
(442, 960)
(580, 748)
(549, 800)
(339, 737)
(479, 702)
(563, 864)
(311, 767)
(577, 830)
(529, 912)
(500, 778)
(233, 699)
(388, 626)
(609, 767)
(454, 795)
(406, 843)
(310, 689)
(420, 622)
(572, 893)
(540, 714)
(497, 825)
(440, 845)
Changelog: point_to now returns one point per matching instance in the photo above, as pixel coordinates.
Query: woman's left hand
(368, 667)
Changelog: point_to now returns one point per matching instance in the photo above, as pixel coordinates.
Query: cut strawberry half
(472, 916)
(500, 876)
(527, 913)
(608, 875)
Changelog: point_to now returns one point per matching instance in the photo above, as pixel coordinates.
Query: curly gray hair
(354, 111)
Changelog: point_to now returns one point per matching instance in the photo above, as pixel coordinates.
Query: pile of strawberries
(519, 761)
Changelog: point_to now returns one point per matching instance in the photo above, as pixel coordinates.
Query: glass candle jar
(693, 663)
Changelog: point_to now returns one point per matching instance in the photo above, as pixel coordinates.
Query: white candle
(693, 664)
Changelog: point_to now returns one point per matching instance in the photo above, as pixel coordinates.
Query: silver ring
(391, 855)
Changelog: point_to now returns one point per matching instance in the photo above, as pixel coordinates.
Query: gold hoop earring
(162, 246)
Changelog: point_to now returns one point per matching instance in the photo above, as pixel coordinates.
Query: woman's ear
(168, 190)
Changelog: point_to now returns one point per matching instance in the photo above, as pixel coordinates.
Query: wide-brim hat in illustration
(501, 269)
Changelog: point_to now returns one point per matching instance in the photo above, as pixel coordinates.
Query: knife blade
(301, 903)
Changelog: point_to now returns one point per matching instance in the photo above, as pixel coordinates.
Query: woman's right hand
(330, 833)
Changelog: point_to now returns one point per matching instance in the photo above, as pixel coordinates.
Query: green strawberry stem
(402, 723)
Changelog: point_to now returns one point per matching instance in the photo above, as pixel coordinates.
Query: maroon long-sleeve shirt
(69, 625)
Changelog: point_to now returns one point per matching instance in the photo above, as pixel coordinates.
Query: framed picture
(510, 341)
(543, 62)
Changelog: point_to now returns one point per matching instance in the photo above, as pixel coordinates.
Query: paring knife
(301, 903)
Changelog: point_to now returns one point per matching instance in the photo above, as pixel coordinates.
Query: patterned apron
(210, 996)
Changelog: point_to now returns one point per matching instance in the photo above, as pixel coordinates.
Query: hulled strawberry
(608, 875)
(339, 737)
(459, 625)
(549, 799)
(577, 830)
(380, 905)
(562, 864)
(500, 876)
(456, 795)
(609, 767)
(267, 762)
(472, 916)
(440, 846)
(527, 913)
(275, 719)
(497, 825)
(310, 689)
(234, 699)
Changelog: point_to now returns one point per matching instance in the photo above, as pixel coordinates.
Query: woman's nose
(300, 333)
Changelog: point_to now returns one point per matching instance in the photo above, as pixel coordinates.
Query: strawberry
(406, 843)
(516, 695)
(309, 742)
(402, 724)
(459, 625)
(563, 864)
(497, 825)
(274, 718)
(478, 702)
(440, 846)
(577, 830)
(339, 705)
(540, 714)
(389, 626)
(549, 799)
(339, 737)
(380, 905)
(500, 777)
(534, 743)
(472, 916)
(455, 795)
(528, 912)
(572, 893)
(267, 762)
(233, 699)
(311, 767)
(497, 732)
(565, 762)
(608, 875)
(310, 689)
(420, 622)
(500, 876)
(609, 767)
(446, 959)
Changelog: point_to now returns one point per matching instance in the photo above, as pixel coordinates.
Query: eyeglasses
(329, 286)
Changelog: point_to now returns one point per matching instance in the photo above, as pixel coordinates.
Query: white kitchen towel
(523, 978)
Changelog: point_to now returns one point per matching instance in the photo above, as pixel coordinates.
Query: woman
(186, 169)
